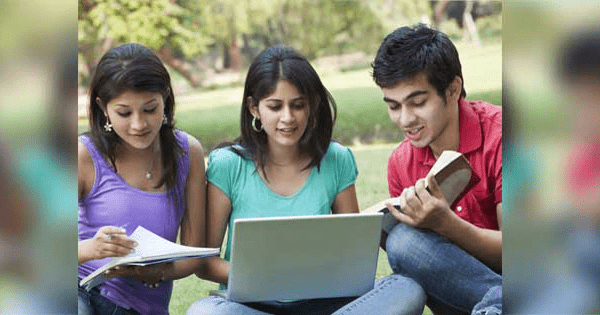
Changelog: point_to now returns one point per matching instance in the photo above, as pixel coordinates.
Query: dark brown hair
(133, 67)
(271, 66)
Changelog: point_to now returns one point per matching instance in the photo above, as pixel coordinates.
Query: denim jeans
(93, 303)
(391, 295)
(455, 282)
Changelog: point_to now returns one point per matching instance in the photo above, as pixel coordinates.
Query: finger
(434, 188)
(421, 191)
(406, 209)
(412, 200)
(399, 215)
(115, 250)
(122, 240)
(112, 230)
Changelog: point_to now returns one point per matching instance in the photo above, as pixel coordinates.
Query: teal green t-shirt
(251, 197)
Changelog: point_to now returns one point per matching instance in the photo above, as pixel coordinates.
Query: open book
(453, 174)
(151, 249)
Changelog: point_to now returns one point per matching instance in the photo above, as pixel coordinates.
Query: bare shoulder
(196, 150)
(85, 169)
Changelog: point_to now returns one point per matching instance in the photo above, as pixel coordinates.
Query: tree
(174, 30)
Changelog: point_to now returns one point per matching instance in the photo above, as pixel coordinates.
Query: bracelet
(155, 285)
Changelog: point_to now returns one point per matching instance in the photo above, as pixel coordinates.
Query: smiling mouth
(286, 129)
(413, 131)
(141, 134)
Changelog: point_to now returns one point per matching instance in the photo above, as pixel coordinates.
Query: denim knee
(408, 248)
(205, 306)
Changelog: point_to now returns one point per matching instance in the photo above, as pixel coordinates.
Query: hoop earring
(165, 120)
(254, 125)
(108, 126)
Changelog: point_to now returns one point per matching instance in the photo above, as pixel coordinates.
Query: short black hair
(411, 50)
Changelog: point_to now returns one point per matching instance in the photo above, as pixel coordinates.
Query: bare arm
(218, 211)
(431, 211)
(345, 201)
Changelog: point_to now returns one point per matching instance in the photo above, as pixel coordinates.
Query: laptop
(303, 257)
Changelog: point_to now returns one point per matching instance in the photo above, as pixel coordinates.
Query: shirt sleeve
(347, 169)
(394, 186)
(498, 175)
(221, 168)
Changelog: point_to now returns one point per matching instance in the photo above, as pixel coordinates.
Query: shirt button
(459, 208)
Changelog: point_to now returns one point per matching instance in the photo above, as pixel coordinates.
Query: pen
(111, 235)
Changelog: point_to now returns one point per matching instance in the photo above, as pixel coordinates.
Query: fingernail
(134, 243)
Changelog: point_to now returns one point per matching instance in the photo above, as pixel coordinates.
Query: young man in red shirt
(454, 251)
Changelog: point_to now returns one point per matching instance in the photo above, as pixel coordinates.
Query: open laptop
(303, 257)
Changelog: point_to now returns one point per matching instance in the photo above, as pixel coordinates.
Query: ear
(454, 89)
(253, 107)
(101, 105)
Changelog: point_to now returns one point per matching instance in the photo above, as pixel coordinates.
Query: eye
(123, 114)
(150, 110)
(393, 106)
(300, 105)
(274, 107)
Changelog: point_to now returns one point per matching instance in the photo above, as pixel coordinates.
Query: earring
(254, 124)
(165, 120)
(107, 125)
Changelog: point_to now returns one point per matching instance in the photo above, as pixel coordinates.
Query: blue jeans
(94, 303)
(391, 295)
(455, 282)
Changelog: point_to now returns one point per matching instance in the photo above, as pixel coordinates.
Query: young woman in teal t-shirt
(284, 163)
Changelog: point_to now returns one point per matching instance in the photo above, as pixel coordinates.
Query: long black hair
(282, 63)
(133, 67)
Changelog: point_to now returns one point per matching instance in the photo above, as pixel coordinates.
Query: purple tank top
(112, 201)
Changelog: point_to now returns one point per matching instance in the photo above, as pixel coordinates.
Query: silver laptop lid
(303, 257)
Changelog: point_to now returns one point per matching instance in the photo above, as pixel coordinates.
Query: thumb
(433, 187)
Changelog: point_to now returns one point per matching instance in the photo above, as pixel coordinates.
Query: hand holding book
(451, 176)
(423, 205)
(109, 241)
(152, 249)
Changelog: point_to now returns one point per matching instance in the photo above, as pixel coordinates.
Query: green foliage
(153, 23)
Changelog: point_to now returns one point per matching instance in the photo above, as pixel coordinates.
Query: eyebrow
(148, 102)
(301, 97)
(411, 95)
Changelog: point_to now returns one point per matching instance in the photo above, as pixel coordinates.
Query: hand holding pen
(109, 241)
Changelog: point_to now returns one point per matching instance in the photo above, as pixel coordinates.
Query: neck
(150, 153)
(279, 156)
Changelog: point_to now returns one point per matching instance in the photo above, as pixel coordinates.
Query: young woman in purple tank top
(134, 168)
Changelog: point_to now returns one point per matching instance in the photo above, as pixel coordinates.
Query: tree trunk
(235, 56)
(180, 66)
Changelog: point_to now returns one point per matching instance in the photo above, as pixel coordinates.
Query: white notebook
(151, 249)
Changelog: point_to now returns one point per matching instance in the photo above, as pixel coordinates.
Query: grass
(371, 187)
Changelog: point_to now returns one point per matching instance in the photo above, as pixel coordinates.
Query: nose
(287, 115)
(406, 117)
(138, 122)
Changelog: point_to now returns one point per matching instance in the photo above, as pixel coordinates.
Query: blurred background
(551, 164)
(552, 200)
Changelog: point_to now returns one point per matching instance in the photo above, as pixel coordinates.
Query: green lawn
(371, 187)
